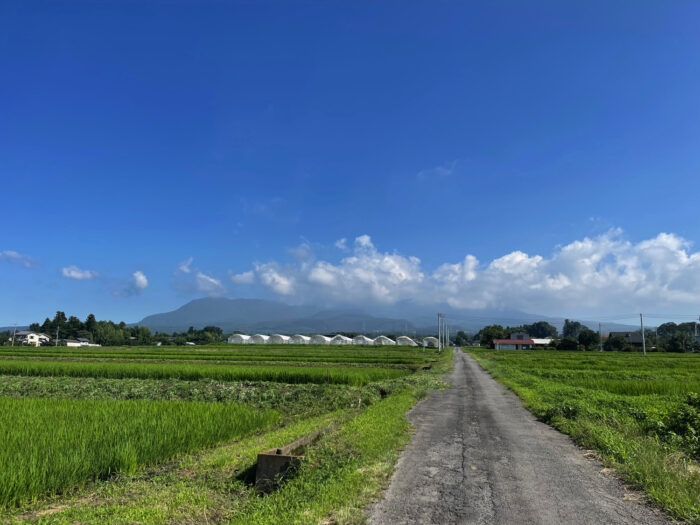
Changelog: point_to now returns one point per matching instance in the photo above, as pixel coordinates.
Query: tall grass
(49, 445)
(279, 374)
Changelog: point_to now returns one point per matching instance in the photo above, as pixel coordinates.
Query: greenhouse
(405, 341)
(299, 339)
(320, 340)
(362, 340)
(341, 340)
(279, 339)
(383, 340)
(239, 339)
(431, 342)
(259, 339)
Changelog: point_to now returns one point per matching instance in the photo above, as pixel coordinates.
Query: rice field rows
(281, 374)
(50, 445)
(642, 414)
(358, 355)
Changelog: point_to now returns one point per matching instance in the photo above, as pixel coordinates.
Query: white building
(383, 340)
(299, 339)
(542, 342)
(31, 338)
(431, 342)
(320, 340)
(362, 340)
(279, 339)
(259, 339)
(239, 339)
(405, 341)
(341, 340)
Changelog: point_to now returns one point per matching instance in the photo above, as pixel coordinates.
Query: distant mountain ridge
(261, 315)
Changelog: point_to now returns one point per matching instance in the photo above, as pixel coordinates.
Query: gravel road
(477, 456)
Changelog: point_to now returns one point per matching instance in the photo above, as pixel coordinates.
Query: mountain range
(260, 315)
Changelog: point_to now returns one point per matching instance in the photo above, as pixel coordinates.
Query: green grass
(346, 468)
(50, 445)
(245, 353)
(642, 414)
(280, 374)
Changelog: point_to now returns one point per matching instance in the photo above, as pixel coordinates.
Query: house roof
(513, 341)
(542, 341)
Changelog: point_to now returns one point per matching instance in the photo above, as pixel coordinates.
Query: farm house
(279, 339)
(239, 339)
(320, 340)
(341, 340)
(405, 341)
(383, 340)
(299, 339)
(431, 342)
(362, 340)
(259, 339)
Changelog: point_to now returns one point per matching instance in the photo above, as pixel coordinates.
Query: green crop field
(281, 374)
(97, 424)
(50, 444)
(258, 353)
(642, 414)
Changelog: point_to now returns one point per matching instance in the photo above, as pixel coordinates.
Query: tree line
(109, 333)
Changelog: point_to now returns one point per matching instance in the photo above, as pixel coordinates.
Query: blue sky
(252, 137)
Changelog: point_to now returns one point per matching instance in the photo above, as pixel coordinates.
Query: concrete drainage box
(274, 463)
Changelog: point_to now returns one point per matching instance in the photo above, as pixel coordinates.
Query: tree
(540, 330)
(572, 329)
(461, 339)
(489, 333)
(568, 343)
(90, 323)
(588, 338)
(35, 327)
(615, 344)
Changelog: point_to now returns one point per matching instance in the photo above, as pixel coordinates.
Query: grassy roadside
(346, 470)
(649, 438)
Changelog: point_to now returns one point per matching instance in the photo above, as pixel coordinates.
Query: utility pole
(14, 335)
(644, 343)
(600, 339)
(56, 336)
(439, 331)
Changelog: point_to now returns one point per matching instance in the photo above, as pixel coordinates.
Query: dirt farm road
(477, 456)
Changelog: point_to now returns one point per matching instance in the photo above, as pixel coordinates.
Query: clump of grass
(50, 445)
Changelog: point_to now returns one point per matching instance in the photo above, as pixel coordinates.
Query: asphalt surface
(477, 456)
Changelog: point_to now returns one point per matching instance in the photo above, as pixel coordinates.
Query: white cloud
(272, 276)
(139, 280)
(342, 244)
(185, 266)
(73, 272)
(443, 170)
(18, 258)
(602, 274)
(134, 286)
(244, 277)
(208, 285)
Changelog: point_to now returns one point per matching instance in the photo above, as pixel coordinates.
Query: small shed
(279, 339)
(513, 344)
